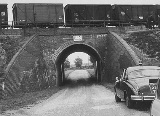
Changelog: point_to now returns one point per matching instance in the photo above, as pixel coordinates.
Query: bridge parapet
(66, 31)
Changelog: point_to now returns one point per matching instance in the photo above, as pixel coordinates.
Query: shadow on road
(140, 106)
(80, 82)
(143, 106)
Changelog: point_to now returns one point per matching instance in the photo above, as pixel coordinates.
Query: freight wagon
(3, 16)
(132, 14)
(87, 14)
(38, 15)
(157, 15)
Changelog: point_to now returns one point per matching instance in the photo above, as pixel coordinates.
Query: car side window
(124, 74)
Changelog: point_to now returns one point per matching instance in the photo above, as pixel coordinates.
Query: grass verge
(24, 99)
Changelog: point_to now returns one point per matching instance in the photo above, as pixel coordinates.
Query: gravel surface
(82, 100)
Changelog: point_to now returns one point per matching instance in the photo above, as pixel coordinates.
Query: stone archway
(78, 47)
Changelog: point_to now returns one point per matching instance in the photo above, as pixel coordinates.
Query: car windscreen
(144, 73)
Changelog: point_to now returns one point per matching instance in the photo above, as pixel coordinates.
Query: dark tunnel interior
(76, 48)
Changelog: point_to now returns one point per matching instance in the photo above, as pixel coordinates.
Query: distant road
(78, 74)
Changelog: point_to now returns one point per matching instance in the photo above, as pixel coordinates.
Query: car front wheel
(129, 102)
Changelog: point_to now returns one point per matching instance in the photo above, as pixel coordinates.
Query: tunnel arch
(77, 47)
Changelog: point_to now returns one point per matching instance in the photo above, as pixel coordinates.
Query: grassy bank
(27, 99)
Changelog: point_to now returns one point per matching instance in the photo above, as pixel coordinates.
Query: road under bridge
(43, 54)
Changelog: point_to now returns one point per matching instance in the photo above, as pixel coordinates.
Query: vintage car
(155, 107)
(138, 83)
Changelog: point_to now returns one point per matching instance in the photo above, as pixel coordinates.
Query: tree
(92, 60)
(66, 64)
(78, 62)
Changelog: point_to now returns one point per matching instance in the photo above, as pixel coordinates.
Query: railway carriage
(38, 14)
(87, 14)
(157, 15)
(114, 15)
(132, 14)
(3, 15)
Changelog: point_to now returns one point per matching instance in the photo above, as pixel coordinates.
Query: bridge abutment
(56, 45)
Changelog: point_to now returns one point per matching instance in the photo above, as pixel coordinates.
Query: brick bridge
(48, 49)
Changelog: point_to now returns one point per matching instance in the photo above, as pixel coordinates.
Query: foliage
(37, 78)
(148, 42)
(10, 46)
(78, 62)
(92, 60)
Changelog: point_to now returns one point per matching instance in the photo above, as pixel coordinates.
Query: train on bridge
(76, 15)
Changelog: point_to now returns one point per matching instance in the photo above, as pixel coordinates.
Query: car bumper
(142, 98)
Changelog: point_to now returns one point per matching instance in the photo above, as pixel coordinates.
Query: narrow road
(91, 100)
(78, 74)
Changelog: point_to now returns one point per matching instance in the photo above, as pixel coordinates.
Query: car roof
(130, 69)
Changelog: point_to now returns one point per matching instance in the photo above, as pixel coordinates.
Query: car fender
(131, 89)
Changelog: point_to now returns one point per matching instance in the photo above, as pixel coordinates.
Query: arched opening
(77, 48)
(79, 68)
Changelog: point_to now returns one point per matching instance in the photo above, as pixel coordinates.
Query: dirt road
(78, 74)
(84, 100)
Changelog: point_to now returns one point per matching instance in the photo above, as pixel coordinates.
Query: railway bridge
(48, 49)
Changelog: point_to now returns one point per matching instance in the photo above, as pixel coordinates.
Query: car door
(155, 108)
